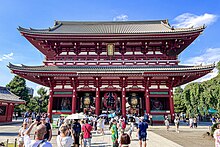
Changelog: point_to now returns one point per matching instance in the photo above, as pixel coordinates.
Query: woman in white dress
(21, 134)
(216, 135)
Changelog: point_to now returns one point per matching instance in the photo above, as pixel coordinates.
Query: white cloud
(210, 56)
(188, 20)
(6, 57)
(121, 17)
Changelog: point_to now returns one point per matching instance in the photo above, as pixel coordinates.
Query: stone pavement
(154, 140)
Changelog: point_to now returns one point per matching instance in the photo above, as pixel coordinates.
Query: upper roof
(110, 27)
(7, 96)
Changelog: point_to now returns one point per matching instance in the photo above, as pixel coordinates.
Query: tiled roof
(7, 96)
(110, 27)
(128, 69)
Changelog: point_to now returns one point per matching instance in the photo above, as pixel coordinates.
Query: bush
(213, 128)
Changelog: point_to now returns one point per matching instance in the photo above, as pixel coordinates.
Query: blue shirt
(142, 127)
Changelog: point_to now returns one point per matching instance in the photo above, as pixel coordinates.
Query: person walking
(39, 136)
(142, 132)
(114, 131)
(177, 123)
(64, 140)
(195, 122)
(167, 124)
(76, 131)
(125, 139)
(87, 135)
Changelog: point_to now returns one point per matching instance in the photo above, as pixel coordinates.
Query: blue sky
(41, 14)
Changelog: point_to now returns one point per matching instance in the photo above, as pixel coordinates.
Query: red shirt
(87, 128)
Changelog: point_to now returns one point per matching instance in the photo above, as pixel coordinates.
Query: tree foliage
(37, 103)
(197, 98)
(18, 87)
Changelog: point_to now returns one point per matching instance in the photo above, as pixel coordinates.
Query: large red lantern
(110, 100)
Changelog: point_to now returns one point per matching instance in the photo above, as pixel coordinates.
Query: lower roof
(7, 96)
(109, 69)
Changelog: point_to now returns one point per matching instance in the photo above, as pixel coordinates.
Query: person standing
(48, 134)
(114, 131)
(63, 140)
(87, 135)
(21, 134)
(216, 135)
(167, 124)
(39, 136)
(195, 122)
(142, 132)
(177, 123)
(76, 131)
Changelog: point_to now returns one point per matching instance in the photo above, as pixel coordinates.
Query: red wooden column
(74, 100)
(123, 102)
(147, 100)
(123, 94)
(171, 102)
(97, 95)
(50, 104)
(8, 112)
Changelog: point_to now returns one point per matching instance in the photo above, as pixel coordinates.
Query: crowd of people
(79, 132)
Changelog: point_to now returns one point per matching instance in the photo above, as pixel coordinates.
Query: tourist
(131, 129)
(39, 136)
(195, 122)
(124, 139)
(191, 122)
(76, 132)
(48, 134)
(102, 126)
(87, 135)
(16, 115)
(114, 131)
(60, 121)
(213, 120)
(142, 132)
(21, 134)
(177, 123)
(167, 124)
(81, 134)
(216, 135)
(63, 140)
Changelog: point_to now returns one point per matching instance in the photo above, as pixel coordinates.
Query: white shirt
(64, 141)
(33, 143)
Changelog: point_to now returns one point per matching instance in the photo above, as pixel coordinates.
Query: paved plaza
(9, 131)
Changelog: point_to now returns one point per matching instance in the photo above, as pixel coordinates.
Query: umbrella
(75, 116)
(111, 115)
(103, 115)
(211, 110)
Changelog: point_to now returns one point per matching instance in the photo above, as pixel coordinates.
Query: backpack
(125, 139)
(123, 125)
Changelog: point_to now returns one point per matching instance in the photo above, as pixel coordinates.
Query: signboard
(2, 110)
(110, 49)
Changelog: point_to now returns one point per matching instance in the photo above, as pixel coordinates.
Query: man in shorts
(142, 132)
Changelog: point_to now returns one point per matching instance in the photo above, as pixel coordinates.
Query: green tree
(39, 103)
(18, 86)
(179, 104)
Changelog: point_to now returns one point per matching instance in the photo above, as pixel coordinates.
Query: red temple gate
(125, 58)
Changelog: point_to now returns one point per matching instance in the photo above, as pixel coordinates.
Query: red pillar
(8, 113)
(50, 104)
(147, 100)
(97, 101)
(123, 102)
(171, 103)
(74, 100)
